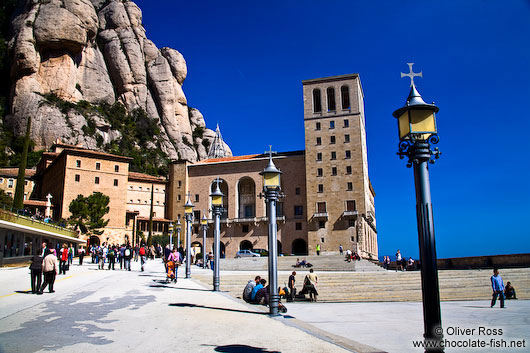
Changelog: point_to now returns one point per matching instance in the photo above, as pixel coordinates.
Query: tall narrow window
(348, 169)
(346, 123)
(319, 156)
(77, 178)
(333, 170)
(346, 138)
(317, 103)
(350, 205)
(349, 186)
(333, 155)
(348, 155)
(116, 168)
(345, 97)
(317, 126)
(320, 187)
(332, 140)
(331, 98)
(78, 163)
(319, 172)
(96, 180)
(319, 141)
(321, 207)
(115, 182)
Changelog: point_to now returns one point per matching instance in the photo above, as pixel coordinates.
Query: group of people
(302, 263)
(257, 291)
(402, 263)
(499, 290)
(45, 264)
(110, 254)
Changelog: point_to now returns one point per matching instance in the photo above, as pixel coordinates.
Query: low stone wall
(491, 261)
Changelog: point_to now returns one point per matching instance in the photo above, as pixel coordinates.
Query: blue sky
(246, 61)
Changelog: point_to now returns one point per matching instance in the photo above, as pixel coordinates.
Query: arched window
(246, 198)
(317, 102)
(331, 98)
(345, 97)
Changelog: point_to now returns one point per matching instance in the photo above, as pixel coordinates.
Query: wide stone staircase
(381, 285)
(285, 263)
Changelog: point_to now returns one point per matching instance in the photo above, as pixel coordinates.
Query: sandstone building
(328, 198)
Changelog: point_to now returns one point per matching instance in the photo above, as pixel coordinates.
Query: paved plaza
(121, 311)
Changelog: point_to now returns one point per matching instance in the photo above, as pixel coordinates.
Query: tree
(5, 199)
(21, 179)
(88, 212)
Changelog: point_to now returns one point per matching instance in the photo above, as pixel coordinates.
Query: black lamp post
(417, 131)
(217, 208)
(271, 190)
(188, 211)
(204, 224)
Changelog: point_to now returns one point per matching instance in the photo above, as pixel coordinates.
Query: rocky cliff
(74, 60)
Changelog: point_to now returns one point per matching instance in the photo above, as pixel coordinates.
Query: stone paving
(121, 311)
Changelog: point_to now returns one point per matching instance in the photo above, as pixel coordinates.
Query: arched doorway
(223, 254)
(279, 247)
(245, 245)
(299, 247)
(196, 249)
(94, 240)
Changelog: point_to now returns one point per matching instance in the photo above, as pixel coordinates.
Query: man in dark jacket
(36, 274)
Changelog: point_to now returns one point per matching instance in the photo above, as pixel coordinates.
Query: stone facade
(340, 199)
(8, 181)
(244, 224)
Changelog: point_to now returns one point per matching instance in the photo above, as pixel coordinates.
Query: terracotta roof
(229, 159)
(35, 203)
(146, 177)
(13, 172)
(84, 151)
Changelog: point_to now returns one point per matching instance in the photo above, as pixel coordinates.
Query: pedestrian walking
(81, 256)
(122, 256)
(317, 248)
(399, 265)
(36, 273)
(292, 289)
(63, 259)
(49, 269)
(111, 256)
(341, 249)
(143, 253)
(498, 288)
(127, 256)
(70, 255)
(210, 259)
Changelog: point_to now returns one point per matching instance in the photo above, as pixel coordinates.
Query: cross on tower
(270, 151)
(412, 74)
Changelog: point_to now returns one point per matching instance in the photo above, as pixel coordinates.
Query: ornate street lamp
(188, 211)
(178, 225)
(217, 209)
(204, 224)
(171, 235)
(417, 131)
(271, 190)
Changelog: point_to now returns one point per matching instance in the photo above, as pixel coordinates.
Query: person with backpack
(127, 256)
(111, 256)
(142, 252)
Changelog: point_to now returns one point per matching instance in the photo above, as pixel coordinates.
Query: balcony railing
(320, 215)
(11, 215)
(350, 214)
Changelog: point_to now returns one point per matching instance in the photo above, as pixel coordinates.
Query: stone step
(389, 285)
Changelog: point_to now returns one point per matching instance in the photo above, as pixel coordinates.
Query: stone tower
(340, 198)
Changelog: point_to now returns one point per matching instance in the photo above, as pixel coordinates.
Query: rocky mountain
(73, 62)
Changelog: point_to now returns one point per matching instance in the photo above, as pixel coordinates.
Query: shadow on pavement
(188, 305)
(69, 320)
(241, 348)
(24, 291)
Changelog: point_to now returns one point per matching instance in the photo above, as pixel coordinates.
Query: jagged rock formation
(97, 51)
